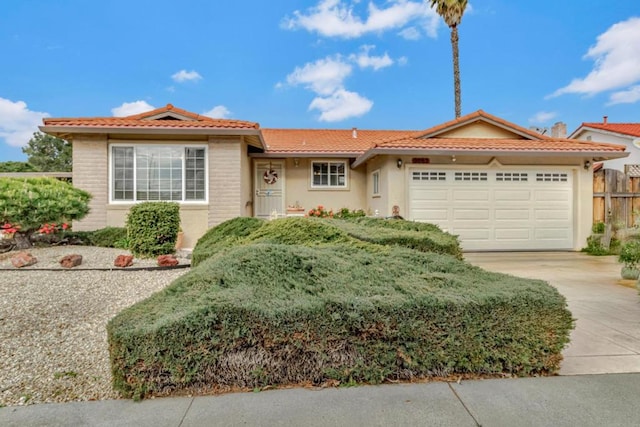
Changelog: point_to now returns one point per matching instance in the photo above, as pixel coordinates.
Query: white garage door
(506, 209)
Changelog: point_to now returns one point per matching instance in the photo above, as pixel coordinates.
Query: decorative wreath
(270, 176)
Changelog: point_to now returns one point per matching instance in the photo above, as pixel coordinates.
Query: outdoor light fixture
(399, 163)
(296, 162)
(453, 158)
(587, 164)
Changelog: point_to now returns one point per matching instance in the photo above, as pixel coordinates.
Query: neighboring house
(627, 134)
(497, 185)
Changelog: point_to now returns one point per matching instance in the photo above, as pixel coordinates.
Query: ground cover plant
(263, 310)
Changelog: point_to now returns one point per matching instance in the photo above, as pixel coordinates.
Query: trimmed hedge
(152, 228)
(316, 231)
(268, 314)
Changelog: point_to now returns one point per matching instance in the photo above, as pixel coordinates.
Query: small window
(375, 178)
(429, 176)
(470, 176)
(329, 174)
(552, 177)
(512, 177)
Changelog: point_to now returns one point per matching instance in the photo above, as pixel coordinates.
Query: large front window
(329, 174)
(168, 173)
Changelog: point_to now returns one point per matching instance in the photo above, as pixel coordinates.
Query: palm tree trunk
(456, 70)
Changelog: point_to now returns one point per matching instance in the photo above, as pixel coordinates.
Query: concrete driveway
(607, 334)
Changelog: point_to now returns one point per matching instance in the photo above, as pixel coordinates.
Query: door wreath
(270, 176)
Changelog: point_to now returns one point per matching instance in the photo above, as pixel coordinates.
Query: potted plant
(630, 258)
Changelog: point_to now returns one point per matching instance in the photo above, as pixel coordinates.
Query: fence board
(616, 198)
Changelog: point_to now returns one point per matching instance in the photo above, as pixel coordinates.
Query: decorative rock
(23, 259)
(167, 261)
(123, 261)
(70, 261)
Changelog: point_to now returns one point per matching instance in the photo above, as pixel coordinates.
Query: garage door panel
(470, 195)
(522, 234)
(514, 214)
(426, 215)
(512, 195)
(471, 214)
(506, 209)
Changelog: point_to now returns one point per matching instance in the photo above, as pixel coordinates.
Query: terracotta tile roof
(632, 129)
(475, 116)
(143, 120)
(326, 140)
(484, 144)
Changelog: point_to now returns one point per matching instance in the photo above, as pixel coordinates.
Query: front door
(269, 189)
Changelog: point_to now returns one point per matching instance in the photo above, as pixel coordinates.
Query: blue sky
(380, 64)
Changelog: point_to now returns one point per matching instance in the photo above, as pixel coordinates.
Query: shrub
(630, 254)
(598, 228)
(414, 235)
(32, 202)
(346, 213)
(224, 236)
(267, 314)
(152, 228)
(109, 237)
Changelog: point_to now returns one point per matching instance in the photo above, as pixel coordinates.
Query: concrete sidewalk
(587, 400)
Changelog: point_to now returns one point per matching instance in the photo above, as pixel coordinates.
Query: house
(627, 134)
(497, 185)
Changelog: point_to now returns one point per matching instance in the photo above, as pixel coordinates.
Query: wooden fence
(616, 197)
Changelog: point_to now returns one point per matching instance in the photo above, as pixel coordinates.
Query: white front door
(269, 189)
(505, 209)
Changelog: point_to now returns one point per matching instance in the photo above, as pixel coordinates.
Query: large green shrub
(314, 231)
(266, 314)
(152, 228)
(32, 202)
(224, 236)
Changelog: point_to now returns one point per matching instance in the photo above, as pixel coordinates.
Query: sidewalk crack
(463, 405)
(186, 412)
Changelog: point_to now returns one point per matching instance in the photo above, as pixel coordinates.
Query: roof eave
(70, 130)
(306, 154)
(595, 155)
(582, 129)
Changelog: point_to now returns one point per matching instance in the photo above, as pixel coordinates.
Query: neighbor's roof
(354, 141)
(631, 129)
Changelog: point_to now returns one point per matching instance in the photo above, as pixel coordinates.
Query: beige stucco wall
(298, 187)
(91, 173)
(479, 130)
(226, 198)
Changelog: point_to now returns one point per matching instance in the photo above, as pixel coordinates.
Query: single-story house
(497, 185)
(627, 134)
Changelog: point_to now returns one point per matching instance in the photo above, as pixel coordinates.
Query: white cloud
(410, 33)
(218, 112)
(336, 18)
(628, 96)
(617, 62)
(18, 123)
(542, 117)
(131, 108)
(324, 76)
(403, 60)
(184, 75)
(364, 60)
(341, 105)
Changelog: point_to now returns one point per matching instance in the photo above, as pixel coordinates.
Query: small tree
(31, 202)
(48, 153)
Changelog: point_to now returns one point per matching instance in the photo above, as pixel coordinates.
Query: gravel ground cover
(53, 341)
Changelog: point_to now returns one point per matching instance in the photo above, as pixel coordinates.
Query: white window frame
(344, 163)
(375, 183)
(134, 144)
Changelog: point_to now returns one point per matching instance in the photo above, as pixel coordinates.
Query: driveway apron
(606, 338)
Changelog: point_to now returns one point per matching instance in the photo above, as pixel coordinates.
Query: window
(551, 177)
(429, 176)
(512, 176)
(375, 177)
(329, 174)
(149, 173)
(470, 176)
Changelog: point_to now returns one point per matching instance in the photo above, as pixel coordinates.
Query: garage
(496, 209)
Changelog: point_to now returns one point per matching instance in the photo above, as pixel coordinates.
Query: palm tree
(451, 11)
